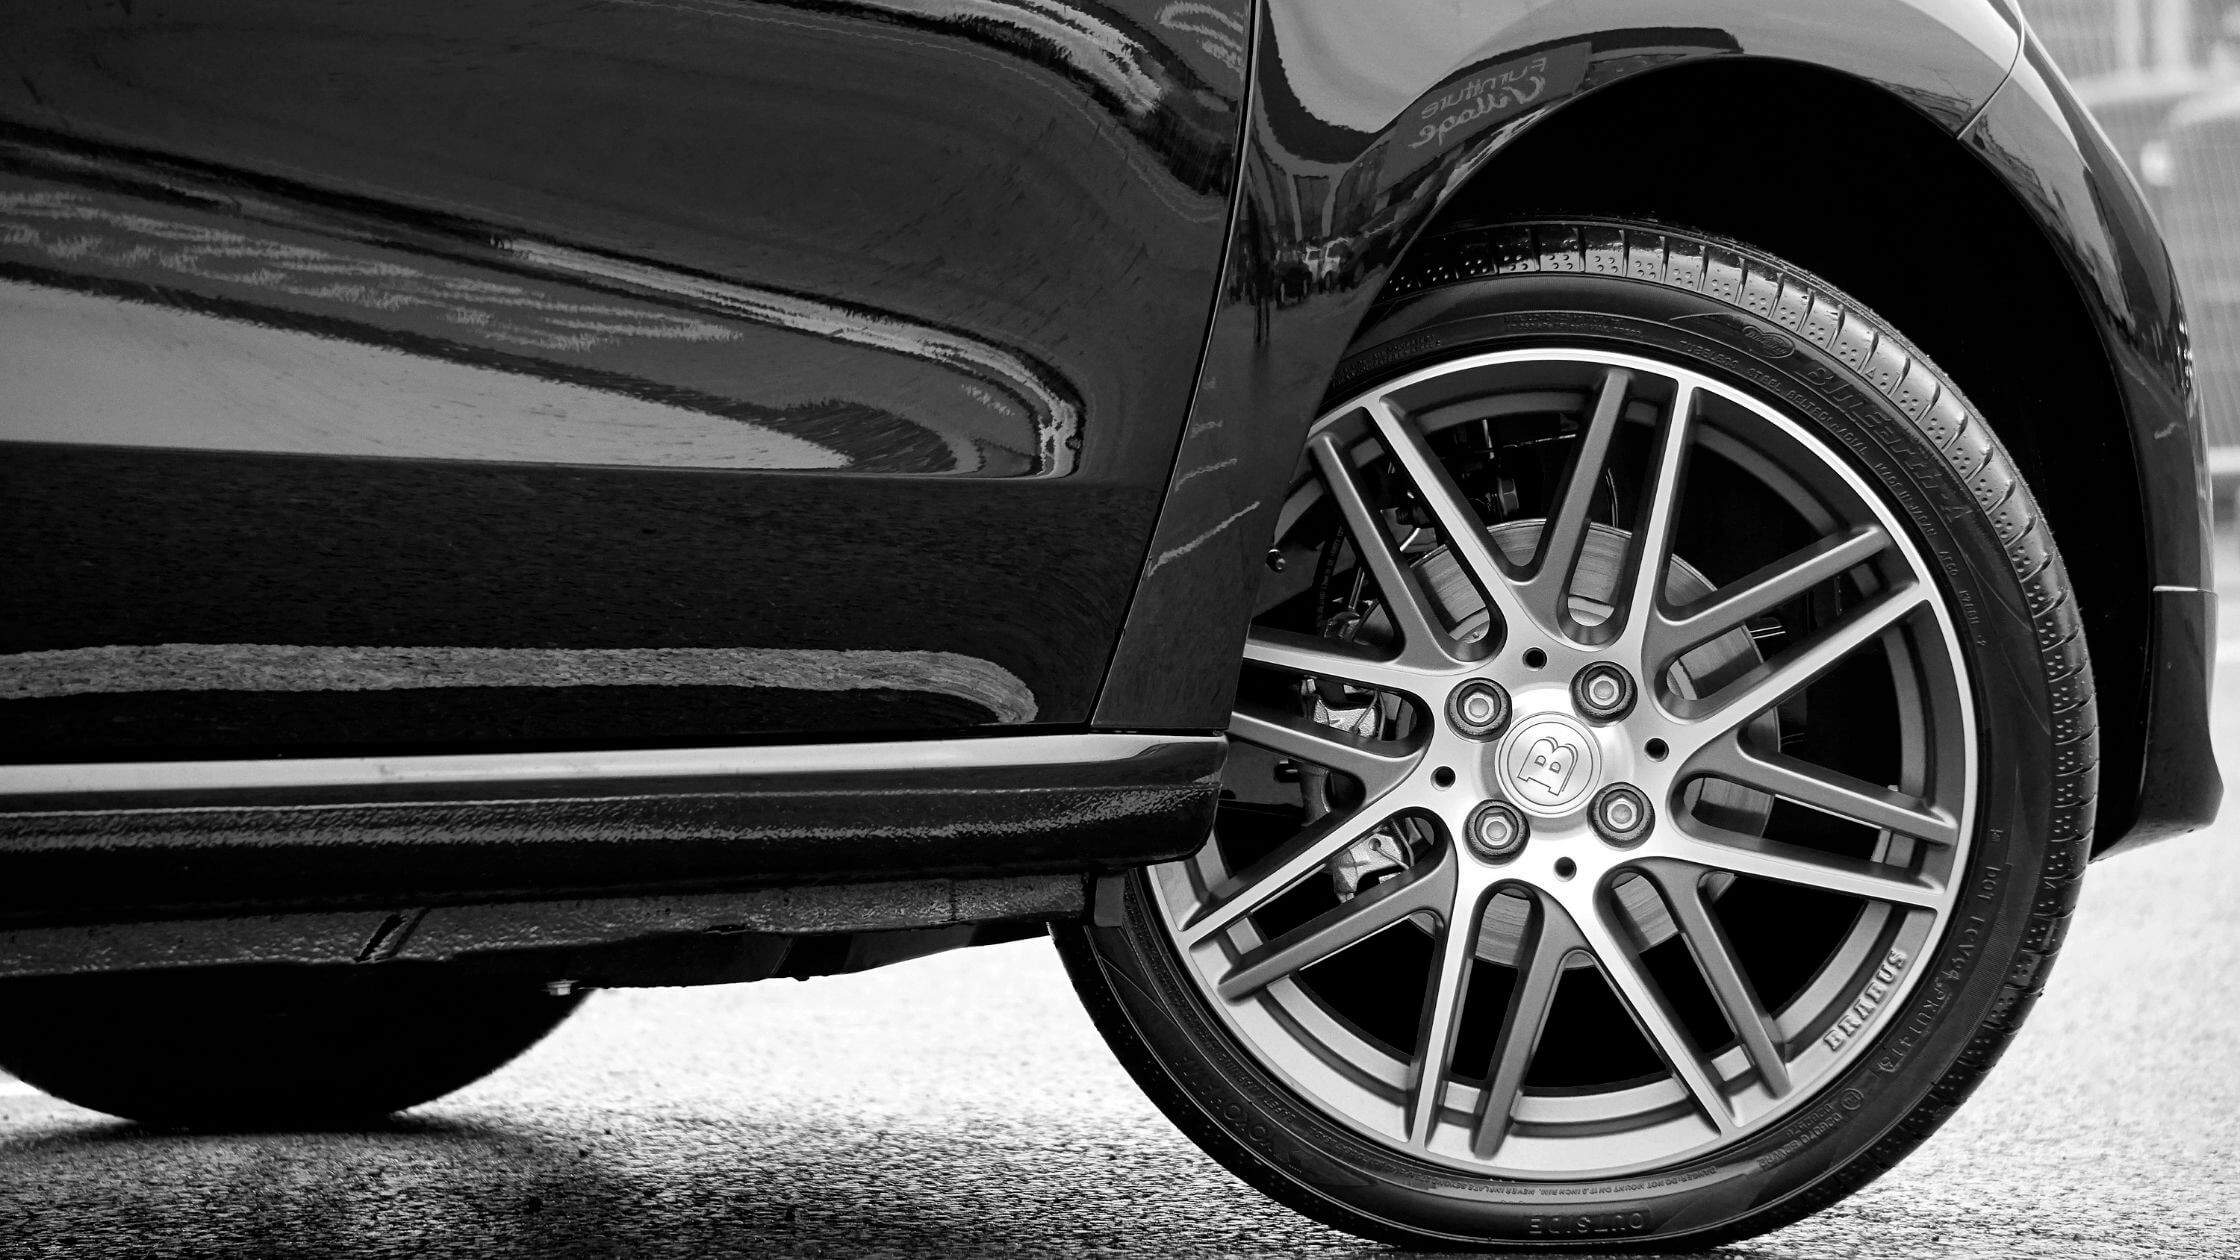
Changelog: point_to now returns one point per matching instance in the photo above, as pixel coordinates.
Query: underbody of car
(1547, 599)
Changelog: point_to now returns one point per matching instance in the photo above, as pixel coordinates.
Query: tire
(1260, 998)
(267, 1047)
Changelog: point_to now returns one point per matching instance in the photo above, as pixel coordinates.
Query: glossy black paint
(1365, 122)
(292, 323)
(1284, 324)
(520, 324)
(137, 855)
(2159, 775)
(792, 181)
(214, 547)
(2044, 144)
(2180, 787)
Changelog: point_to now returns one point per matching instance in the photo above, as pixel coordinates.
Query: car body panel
(1075, 544)
(1365, 120)
(1280, 332)
(637, 373)
(2058, 162)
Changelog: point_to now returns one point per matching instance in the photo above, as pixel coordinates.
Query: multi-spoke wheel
(1647, 759)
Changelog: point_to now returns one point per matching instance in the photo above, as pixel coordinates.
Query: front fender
(2061, 168)
(1364, 121)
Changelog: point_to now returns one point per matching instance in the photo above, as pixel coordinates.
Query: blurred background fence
(2163, 79)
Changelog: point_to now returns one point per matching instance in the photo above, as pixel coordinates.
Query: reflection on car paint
(802, 325)
(300, 667)
(1094, 43)
(697, 379)
(1333, 192)
(90, 369)
(1481, 98)
(1054, 416)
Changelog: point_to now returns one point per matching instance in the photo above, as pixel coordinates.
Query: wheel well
(1848, 181)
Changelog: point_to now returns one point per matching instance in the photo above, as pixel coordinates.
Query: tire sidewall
(1258, 1127)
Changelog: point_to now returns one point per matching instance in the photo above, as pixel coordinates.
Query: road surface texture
(963, 1106)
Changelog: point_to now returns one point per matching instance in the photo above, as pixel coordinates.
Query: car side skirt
(113, 842)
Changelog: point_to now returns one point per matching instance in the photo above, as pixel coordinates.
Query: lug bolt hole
(1443, 777)
(1657, 749)
(1534, 658)
(1566, 868)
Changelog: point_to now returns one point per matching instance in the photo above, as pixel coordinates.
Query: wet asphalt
(962, 1106)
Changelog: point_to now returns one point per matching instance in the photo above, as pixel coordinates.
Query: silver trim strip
(139, 667)
(589, 768)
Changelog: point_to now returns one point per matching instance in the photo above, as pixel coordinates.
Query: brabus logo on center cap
(1548, 763)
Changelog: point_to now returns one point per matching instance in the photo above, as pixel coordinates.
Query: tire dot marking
(1822, 323)
(1795, 304)
(1723, 277)
(1605, 250)
(1645, 258)
(1684, 265)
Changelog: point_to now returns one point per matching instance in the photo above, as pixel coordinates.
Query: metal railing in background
(2200, 209)
(2162, 78)
(2090, 38)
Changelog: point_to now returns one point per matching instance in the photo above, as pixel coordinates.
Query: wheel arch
(1985, 172)
(1939, 245)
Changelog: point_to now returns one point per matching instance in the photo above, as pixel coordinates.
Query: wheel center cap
(1548, 764)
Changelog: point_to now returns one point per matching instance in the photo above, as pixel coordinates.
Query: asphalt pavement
(962, 1105)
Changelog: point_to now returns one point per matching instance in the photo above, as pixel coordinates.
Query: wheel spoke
(1649, 551)
(1488, 570)
(1422, 642)
(1538, 972)
(1642, 996)
(1346, 923)
(1327, 658)
(1771, 682)
(1826, 790)
(1794, 864)
(1768, 588)
(1714, 955)
(1547, 592)
(1378, 765)
(1442, 1011)
(1248, 890)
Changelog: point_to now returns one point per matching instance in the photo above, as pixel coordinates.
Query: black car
(506, 497)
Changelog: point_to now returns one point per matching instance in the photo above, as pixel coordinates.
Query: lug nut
(1622, 814)
(1479, 709)
(1495, 830)
(1603, 692)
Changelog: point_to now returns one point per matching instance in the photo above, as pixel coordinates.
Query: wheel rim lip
(1878, 927)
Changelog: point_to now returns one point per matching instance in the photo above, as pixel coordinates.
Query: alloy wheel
(1543, 772)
